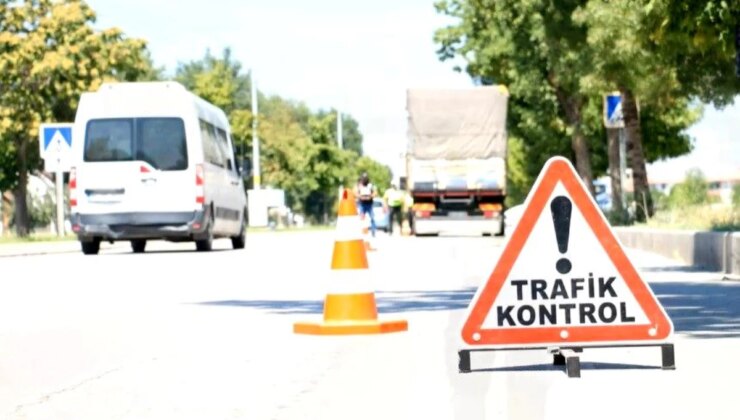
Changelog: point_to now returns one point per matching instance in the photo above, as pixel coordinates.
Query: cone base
(350, 328)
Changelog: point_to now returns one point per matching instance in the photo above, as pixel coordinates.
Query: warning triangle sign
(563, 278)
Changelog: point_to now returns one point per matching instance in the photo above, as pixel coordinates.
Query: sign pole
(59, 178)
(255, 137)
(623, 163)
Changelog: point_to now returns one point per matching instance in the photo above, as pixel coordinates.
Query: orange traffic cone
(349, 306)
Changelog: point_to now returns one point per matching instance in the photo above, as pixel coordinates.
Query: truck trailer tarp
(457, 124)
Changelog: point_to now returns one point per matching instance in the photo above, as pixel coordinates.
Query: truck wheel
(138, 245)
(90, 247)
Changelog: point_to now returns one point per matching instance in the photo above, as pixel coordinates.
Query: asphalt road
(178, 334)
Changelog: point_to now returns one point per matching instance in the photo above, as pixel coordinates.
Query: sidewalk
(38, 248)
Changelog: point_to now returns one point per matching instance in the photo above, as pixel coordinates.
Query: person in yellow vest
(393, 200)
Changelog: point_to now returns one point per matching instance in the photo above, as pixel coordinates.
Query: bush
(736, 196)
(704, 217)
(691, 192)
(40, 209)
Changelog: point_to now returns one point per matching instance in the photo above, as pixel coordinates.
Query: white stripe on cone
(349, 228)
(346, 282)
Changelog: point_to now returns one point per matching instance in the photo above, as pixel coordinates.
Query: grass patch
(704, 217)
(38, 237)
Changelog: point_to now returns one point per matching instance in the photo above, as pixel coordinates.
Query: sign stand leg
(668, 357)
(464, 363)
(573, 366)
(558, 359)
(60, 201)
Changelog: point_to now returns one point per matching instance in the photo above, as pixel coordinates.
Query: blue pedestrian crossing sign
(613, 111)
(55, 144)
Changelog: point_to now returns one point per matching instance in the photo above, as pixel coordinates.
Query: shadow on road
(388, 302)
(702, 310)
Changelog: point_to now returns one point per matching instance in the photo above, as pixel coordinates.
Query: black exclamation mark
(561, 208)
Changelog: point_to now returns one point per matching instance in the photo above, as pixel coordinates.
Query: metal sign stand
(59, 179)
(56, 155)
(568, 356)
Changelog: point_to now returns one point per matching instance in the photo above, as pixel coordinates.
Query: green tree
(558, 58)
(698, 38)
(536, 50)
(692, 191)
(518, 180)
(656, 53)
(49, 55)
(298, 146)
(217, 80)
(380, 175)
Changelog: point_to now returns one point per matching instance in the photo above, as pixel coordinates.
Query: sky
(359, 56)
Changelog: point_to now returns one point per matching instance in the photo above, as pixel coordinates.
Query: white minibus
(153, 161)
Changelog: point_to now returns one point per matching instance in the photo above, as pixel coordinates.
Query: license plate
(105, 198)
(457, 214)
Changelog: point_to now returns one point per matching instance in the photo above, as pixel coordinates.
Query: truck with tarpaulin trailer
(456, 159)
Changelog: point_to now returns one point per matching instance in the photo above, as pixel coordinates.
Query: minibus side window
(223, 144)
(210, 146)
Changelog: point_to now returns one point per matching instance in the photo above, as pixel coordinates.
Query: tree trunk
(22, 220)
(612, 135)
(643, 199)
(583, 158)
(572, 105)
(578, 140)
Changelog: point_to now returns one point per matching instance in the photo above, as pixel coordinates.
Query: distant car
(603, 191)
(380, 215)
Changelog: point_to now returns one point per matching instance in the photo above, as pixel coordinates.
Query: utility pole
(615, 168)
(340, 141)
(255, 138)
(623, 164)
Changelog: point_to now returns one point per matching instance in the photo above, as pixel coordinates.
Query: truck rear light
(490, 210)
(200, 181)
(73, 187)
(429, 207)
(424, 210)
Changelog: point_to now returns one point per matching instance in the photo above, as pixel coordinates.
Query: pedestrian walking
(366, 193)
(393, 202)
